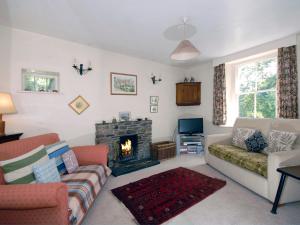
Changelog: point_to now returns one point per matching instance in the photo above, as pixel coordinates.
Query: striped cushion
(55, 151)
(19, 170)
(46, 172)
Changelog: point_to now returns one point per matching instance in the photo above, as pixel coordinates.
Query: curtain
(219, 99)
(287, 84)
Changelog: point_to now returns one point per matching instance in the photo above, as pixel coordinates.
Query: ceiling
(136, 27)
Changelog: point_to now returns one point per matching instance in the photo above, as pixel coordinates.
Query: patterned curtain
(219, 110)
(287, 85)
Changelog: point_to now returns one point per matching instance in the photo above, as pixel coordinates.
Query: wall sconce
(80, 68)
(154, 80)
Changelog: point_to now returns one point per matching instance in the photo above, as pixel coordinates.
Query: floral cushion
(70, 161)
(255, 162)
(256, 142)
(280, 141)
(240, 135)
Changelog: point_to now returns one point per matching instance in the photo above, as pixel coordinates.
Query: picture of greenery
(123, 84)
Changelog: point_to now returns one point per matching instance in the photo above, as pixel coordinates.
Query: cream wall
(41, 113)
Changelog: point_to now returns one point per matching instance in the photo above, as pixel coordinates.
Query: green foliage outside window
(257, 88)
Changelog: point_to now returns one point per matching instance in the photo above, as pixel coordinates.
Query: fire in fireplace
(128, 147)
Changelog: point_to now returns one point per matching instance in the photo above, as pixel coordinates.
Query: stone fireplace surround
(110, 133)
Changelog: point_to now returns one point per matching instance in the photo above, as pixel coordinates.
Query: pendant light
(185, 49)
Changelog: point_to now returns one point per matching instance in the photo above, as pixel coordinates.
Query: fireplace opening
(128, 147)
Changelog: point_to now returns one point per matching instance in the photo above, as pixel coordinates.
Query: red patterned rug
(158, 198)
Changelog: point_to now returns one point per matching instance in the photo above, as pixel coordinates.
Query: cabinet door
(188, 94)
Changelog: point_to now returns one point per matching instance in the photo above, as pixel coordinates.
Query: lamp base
(2, 126)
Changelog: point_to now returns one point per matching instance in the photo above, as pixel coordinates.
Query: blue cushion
(256, 142)
(46, 172)
(55, 151)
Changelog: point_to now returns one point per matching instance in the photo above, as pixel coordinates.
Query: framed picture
(124, 116)
(40, 81)
(154, 100)
(79, 104)
(153, 108)
(123, 84)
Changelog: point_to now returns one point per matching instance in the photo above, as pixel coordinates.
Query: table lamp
(6, 107)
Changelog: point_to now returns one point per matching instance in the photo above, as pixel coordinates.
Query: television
(190, 126)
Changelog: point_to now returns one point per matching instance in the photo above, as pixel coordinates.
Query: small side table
(10, 137)
(292, 171)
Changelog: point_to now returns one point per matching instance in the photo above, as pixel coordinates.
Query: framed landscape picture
(123, 84)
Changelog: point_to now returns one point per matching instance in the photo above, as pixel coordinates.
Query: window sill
(41, 92)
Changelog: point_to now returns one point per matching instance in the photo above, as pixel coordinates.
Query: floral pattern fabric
(280, 141)
(240, 135)
(287, 86)
(255, 162)
(219, 97)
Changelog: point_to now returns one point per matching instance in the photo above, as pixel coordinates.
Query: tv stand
(189, 143)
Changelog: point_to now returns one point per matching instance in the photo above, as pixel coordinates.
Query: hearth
(128, 147)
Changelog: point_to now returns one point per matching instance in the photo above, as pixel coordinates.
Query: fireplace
(135, 137)
(128, 147)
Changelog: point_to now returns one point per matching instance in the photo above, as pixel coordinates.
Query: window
(39, 81)
(256, 81)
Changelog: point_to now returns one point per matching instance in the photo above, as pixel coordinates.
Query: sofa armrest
(32, 196)
(218, 139)
(91, 155)
(277, 160)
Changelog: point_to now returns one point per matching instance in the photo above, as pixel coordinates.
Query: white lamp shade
(185, 51)
(6, 104)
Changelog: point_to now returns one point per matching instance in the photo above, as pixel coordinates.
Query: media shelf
(189, 144)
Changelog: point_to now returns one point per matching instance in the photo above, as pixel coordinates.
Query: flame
(126, 148)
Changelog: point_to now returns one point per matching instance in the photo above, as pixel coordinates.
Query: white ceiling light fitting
(185, 49)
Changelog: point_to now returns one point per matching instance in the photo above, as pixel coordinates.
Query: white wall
(40, 113)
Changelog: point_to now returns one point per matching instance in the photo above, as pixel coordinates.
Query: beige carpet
(233, 204)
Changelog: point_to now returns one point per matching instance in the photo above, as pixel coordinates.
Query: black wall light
(154, 80)
(79, 68)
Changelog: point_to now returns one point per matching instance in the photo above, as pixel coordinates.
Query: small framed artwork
(79, 104)
(153, 108)
(123, 84)
(154, 100)
(124, 116)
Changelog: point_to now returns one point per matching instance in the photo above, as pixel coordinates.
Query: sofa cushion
(83, 186)
(240, 135)
(263, 125)
(289, 125)
(70, 161)
(18, 170)
(46, 172)
(55, 151)
(256, 142)
(280, 141)
(255, 162)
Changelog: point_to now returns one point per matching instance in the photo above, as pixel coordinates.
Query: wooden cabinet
(188, 93)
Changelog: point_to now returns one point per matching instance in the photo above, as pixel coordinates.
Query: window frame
(40, 73)
(254, 59)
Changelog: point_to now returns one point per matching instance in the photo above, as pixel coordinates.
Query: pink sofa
(41, 203)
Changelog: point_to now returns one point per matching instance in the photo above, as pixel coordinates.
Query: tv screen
(190, 126)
